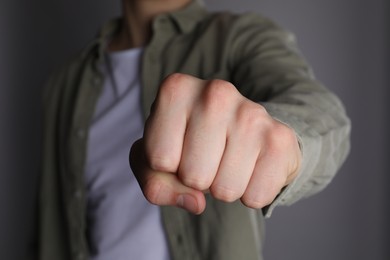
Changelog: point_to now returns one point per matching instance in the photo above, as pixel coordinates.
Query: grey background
(346, 41)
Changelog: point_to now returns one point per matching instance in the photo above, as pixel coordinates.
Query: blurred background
(347, 44)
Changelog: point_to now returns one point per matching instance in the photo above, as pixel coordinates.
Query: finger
(161, 188)
(203, 147)
(165, 189)
(205, 137)
(268, 179)
(240, 156)
(165, 127)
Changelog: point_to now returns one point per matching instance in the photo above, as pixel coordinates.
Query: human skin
(204, 136)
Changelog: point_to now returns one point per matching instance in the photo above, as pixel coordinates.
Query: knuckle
(195, 182)
(195, 175)
(281, 137)
(256, 202)
(176, 78)
(250, 203)
(172, 87)
(221, 86)
(218, 94)
(265, 194)
(282, 131)
(253, 115)
(162, 163)
(224, 194)
(252, 119)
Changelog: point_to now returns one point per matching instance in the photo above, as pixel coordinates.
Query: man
(235, 124)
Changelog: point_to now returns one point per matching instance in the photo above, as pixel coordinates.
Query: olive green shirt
(253, 53)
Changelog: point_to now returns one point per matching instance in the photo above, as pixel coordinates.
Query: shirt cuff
(309, 143)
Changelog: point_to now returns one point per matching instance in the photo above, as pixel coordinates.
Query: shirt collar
(189, 16)
(185, 19)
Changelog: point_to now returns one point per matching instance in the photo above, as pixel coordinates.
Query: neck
(137, 17)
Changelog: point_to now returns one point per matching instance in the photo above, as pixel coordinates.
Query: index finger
(166, 126)
(162, 188)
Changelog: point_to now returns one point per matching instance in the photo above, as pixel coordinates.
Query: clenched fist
(204, 136)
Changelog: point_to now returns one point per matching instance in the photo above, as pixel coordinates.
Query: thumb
(163, 188)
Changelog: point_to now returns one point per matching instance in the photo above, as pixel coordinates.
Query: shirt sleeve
(268, 68)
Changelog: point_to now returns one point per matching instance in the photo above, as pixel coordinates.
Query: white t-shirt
(122, 225)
